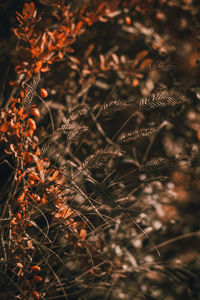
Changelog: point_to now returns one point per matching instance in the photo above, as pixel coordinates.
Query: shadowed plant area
(100, 150)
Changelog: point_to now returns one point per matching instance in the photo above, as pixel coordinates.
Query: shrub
(93, 203)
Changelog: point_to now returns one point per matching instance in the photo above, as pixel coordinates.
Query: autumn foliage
(92, 91)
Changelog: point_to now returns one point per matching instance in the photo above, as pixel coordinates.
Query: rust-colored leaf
(36, 268)
(36, 295)
(38, 66)
(141, 55)
(31, 123)
(38, 278)
(35, 112)
(145, 63)
(55, 174)
(44, 93)
(4, 127)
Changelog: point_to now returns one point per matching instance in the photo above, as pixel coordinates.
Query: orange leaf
(141, 55)
(35, 112)
(44, 93)
(55, 174)
(79, 25)
(82, 234)
(27, 157)
(128, 20)
(102, 62)
(18, 33)
(21, 198)
(101, 6)
(43, 200)
(45, 69)
(28, 9)
(38, 152)
(30, 132)
(36, 295)
(145, 63)
(38, 278)
(135, 82)
(21, 113)
(33, 177)
(69, 50)
(64, 212)
(31, 124)
(18, 217)
(31, 182)
(36, 268)
(4, 127)
(38, 66)
(40, 166)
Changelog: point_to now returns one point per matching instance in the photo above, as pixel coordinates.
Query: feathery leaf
(28, 100)
(98, 159)
(162, 66)
(156, 164)
(136, 134)
(162, 99)
(111, 107)
(78, 111)
(157, 178)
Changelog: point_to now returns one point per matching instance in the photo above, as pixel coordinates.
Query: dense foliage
(99, 150)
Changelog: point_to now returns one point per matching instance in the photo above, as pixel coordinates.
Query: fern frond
(64, 136)
(75, 5)
(72, 130)
(48, 149)
(28, 100)
(75, 135)
(156, 164)
(162, 66)
(162, 99)
(136, 134)
(157, 178)
(111, 107)
(78, 111)
(65, 128)
(98, 159)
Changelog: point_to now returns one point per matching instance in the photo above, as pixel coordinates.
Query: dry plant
(87, 188)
